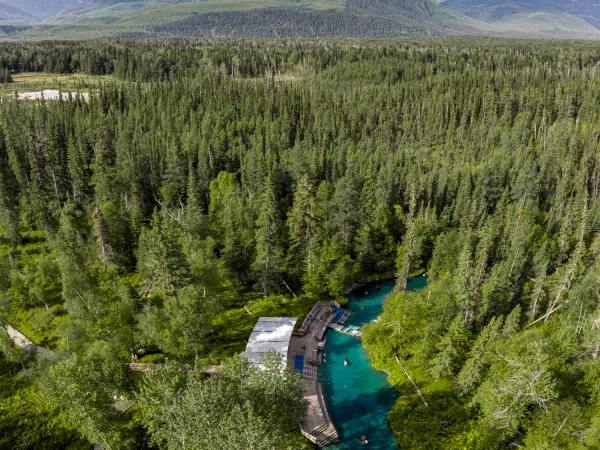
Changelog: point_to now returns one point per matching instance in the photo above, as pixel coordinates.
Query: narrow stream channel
(359, 397)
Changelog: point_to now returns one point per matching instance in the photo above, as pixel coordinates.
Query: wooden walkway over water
(350, 330)
(309, 341)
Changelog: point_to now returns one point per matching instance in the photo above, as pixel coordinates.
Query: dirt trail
(25, 343)
(22, 341)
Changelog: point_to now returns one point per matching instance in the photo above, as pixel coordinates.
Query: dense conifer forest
(204, 177)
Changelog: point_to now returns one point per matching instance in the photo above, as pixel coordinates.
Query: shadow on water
(365, 415)
(358, 397)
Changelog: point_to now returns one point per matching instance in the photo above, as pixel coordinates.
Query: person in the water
(346, 363)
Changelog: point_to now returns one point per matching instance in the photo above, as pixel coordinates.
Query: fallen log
(413, 382)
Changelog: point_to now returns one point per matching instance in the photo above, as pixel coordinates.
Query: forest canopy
(204, 175)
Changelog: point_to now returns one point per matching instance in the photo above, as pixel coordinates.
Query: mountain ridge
(316, 18)
(267, 18)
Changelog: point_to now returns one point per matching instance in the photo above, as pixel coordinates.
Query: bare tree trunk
(597, 350)
(539, 290)
(545, 316)
(413, 382)
(288, 288)
(571, 270)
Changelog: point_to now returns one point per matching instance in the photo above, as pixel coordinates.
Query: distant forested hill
(377, 19)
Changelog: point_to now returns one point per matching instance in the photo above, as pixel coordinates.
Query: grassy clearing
(234, 325)
(288, 78)
(29, 77)
(324, 5)
(36, 316)
(36, 81)
(70, 32)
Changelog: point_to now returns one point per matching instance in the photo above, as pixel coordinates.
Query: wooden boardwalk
(310, 342)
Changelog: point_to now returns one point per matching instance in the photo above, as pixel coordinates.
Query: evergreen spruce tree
(268, 261)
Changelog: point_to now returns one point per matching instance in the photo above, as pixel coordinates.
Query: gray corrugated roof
(269, 333)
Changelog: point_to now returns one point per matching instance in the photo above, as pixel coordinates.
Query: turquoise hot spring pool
(358, 397)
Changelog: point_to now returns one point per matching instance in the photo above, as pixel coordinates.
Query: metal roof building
(269, 333)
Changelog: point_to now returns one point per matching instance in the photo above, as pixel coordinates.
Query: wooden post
(413, 382)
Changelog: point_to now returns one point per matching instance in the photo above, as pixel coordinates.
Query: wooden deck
(309, 341)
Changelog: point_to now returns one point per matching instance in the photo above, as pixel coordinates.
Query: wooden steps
(310, 371)
(327, 437)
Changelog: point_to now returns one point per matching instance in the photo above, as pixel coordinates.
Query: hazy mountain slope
(107, 8)
(425, 13)
(565, 15)
(45, 8)
(10, 14)
(546, 23)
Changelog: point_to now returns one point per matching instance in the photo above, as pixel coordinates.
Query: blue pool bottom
(299, 363)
